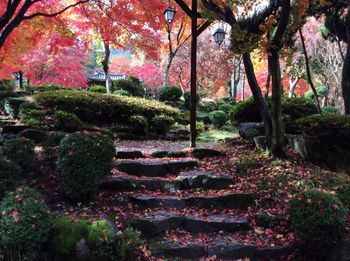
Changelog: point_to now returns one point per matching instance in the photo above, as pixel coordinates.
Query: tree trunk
(258, 97)
(20, 74)
(267, 86)
(105, 65)
(346, 70)
(167, 70)
(308, 72)
(277, 141)
(292, 86)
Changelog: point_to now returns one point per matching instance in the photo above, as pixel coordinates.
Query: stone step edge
(163, 221)
(232, 201)
(223, 251)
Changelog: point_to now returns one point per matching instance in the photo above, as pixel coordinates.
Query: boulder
(203, 153)
(309, 148)
(341, 251)
(174, 249)
(267, 221)
(249, 130)
(204, 180)
(129, 155)
(36, 135)
(169, 154)
(231, 251)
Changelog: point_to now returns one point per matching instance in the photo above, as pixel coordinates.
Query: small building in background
(99, 78)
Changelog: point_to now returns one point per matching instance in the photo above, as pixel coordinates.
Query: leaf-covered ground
(273, 181)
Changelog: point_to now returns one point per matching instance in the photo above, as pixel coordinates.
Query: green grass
(215, 135)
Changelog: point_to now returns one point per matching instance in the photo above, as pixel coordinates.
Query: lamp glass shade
(219, 36)
(169, 14)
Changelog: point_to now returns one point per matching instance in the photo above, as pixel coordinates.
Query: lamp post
(219, 36)
(195, 32)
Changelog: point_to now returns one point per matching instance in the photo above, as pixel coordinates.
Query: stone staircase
(165, 188)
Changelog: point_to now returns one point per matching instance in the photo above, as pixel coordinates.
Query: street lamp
(219, 36)
(169, 14)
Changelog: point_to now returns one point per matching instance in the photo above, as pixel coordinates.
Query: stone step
(220, 248)
(154, 168)
(129, 154)
(161, 221)
(190, 180)
(169, 154)
(232, 200)
(201, 153)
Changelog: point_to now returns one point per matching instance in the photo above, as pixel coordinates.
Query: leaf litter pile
(273, 181)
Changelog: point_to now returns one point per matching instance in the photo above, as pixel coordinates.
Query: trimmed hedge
(207, 105)
(102, 108)
(12, 105)
(84, 159)
(245, 111)
(9, 175)
(138, 124)
(7, 85)
(170, 93)
(66, 121)
(161, 124)
(218, 118)
(187, 97)
(98, 88)
(318, 219)
(132, 85)
(24, 224)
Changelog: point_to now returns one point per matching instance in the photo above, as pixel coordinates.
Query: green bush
(21, 151)
(343, 194)
(116, 247)
(318, 218)
(6, 94)
(138, 124)
(83, 161)
(45, 87)
(66, 121)
(187, 97)
(11, 106)
(322, 91)
(161, 124)
(36, 124)
(218, 118)
(245, 111)
(122, 93)
(28, 114)
(66, 233)
(298, 107)
(7, 85)
(98, 88)
(28, 106)
(9, 175)
(24, 224)
(170, 93)
(200, 127)
(331, 129)
(102, 108)
(132, 85)
(227, 100)
(207, 105)
(226, 108)
(53, 138)
(330, 110)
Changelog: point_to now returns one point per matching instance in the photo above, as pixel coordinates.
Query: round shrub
(114, 247)
(207, 105)
(98, 89)
(187, 97)
(245, 111)
(9, 175)
(132, 85)
(218, 118)
(28, 106)
(298, 107)
(330, 110)
(122, 93)
(83, 161)
(322, 91)
(138, 124)
(24, 224)
(343, 194)
(11, 106)
(227, 100)
(226, 108)
(21, 151)
(171, 94)
(66, 233)
(161, 124)
(66, 121)
(318, 218)
(7, 85)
